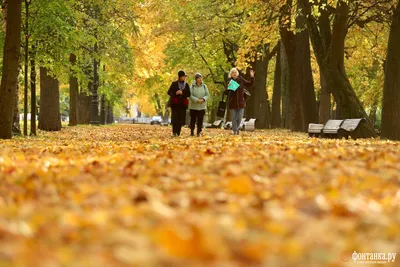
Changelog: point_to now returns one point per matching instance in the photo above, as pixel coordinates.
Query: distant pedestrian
(237, 102)
(199, 95)
(179, 91)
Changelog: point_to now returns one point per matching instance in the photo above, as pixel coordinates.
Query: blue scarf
(182, 85)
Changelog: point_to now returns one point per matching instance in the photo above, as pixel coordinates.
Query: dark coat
(236, 98)
(179, 101)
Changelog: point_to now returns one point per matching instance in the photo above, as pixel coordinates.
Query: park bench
(249, 126)
(315, 129)
(338, 129)
(216, 125)
(331, 128)
(352, 128)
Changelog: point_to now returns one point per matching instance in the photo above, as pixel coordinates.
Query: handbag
(222, 107)
(246, 94)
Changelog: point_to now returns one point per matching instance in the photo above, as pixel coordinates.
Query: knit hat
(198, 75)
(181, 73)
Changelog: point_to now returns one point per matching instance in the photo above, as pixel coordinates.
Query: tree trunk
(110, 113)
(276, 96)
(9, 80)
(213, 115)
(33, 92)
(391, 93)
(26, 82)
(16, 129)
(103, 117)
(261, 108)
(289, 43)
(251, 110)
(49, 116)
(329, 50)
(158, 105)
(372, 113)
(303, 66)
(286, 95)
(84, 106)
(94, 112)
(324, 101)
(73, 93)
(166, 112)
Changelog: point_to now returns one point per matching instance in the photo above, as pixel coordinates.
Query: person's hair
(233, 70)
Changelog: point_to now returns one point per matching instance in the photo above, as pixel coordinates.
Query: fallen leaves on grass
(134, 196)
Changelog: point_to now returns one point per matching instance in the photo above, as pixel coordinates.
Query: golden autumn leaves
(132, 196)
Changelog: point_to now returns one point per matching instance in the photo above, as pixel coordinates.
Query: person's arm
(192, 97)
(186, 92)
(248, 83)
(207, 96)
(171, 91)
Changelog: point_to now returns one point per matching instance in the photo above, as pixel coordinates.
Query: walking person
(237, 102)
(179, 91)
(199, 95)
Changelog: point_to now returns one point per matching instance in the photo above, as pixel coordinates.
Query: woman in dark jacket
(237, 102)
(179, 91)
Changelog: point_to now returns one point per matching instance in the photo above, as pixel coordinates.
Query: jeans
(237, 116)
(196, 116)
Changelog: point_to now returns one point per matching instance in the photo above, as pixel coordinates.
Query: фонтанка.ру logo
(370, 258)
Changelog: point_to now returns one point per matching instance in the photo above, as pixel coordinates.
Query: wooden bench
(315, 130)
(250, 126)
(352, 128)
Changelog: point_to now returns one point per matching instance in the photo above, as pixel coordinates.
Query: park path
(130, 195)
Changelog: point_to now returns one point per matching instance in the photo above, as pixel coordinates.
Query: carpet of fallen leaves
(129, 195)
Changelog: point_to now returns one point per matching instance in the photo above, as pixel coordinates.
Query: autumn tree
(328, 41)
(16, 130)
(391, 96)
(295, 40)
(9, 79)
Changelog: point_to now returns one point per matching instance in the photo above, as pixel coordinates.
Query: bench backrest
(332, 126)
(315, 128)
(250, 125)
(350, 125)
